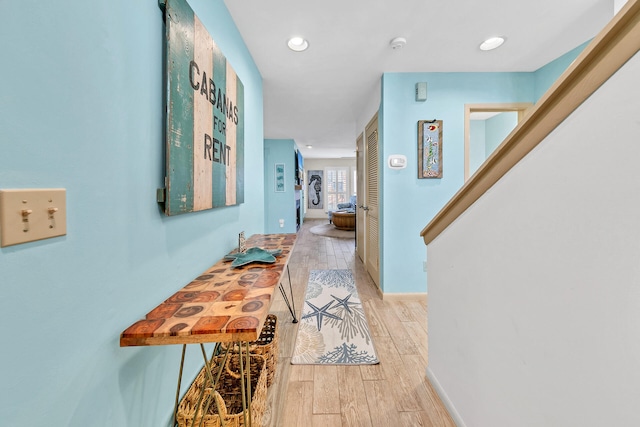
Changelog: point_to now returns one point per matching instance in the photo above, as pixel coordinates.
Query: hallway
(392, 393)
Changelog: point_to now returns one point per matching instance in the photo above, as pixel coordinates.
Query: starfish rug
(333, 328)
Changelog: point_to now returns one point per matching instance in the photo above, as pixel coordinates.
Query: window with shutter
(337, 187)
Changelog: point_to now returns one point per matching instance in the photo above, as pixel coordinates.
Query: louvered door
(361, 198)
(372, 231)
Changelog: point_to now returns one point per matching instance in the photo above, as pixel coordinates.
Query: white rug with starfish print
(333, 328)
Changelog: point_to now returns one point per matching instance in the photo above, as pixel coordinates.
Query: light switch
(32, 214)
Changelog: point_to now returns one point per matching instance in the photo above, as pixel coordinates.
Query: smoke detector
(398, 43)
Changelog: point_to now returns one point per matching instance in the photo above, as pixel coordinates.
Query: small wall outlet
(281, 221)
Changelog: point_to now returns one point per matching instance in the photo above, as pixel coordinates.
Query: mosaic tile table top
(222, 304)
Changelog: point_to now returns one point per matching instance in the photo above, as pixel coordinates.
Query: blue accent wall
(546, 76)
(82, 108)
(407, 201)
(497, 129)
(279, 205)
(486, 135)
(477, 143)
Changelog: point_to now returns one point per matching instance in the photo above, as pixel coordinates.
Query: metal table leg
(245, 388)
(291, 305)
(213, 382)
(175, 407)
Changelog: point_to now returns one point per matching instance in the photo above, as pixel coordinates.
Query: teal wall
(81, 107)
(408, 203)
(279, 205)
(497, 128)
(486, 135)
(545, 76)
(477, 140)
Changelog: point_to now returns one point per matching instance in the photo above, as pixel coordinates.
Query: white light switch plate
(32, 214)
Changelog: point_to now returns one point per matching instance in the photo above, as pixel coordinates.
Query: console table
(223, 304)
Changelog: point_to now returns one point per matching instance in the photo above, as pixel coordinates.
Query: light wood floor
(394, 393)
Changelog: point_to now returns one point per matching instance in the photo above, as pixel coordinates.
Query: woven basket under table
(266, 345)
(228, 394)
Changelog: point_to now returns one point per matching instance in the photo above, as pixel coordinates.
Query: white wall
(618, 4)
(321, 164)
(370, 107)
(534, 292)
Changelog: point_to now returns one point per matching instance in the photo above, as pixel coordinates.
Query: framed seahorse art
(315, 189)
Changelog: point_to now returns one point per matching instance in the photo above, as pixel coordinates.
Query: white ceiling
(315, 97)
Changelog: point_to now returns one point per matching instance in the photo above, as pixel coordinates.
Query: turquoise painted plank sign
(205, 118)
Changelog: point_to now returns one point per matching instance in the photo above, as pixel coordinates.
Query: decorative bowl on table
(254, 254)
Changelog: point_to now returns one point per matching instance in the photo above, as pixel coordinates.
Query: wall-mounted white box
(421, 91)
(27, 215)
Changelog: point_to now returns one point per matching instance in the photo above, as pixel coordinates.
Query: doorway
(485, 128)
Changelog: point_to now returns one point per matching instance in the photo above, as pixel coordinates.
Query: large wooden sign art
(205, 118)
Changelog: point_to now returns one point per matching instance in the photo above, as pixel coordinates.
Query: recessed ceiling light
(297, 44)
(492, 43)
(309, 146)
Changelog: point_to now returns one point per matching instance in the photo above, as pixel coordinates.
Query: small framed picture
(279, 178)
(430, 149)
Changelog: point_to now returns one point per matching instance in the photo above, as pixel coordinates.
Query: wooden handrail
(606, 53)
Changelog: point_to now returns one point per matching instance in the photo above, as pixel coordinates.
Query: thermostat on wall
(397, 161)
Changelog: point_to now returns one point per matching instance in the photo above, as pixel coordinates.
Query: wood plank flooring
(395, 392)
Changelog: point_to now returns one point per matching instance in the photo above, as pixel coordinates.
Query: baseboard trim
(445, 399)
(418, 296)
(378, 290)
